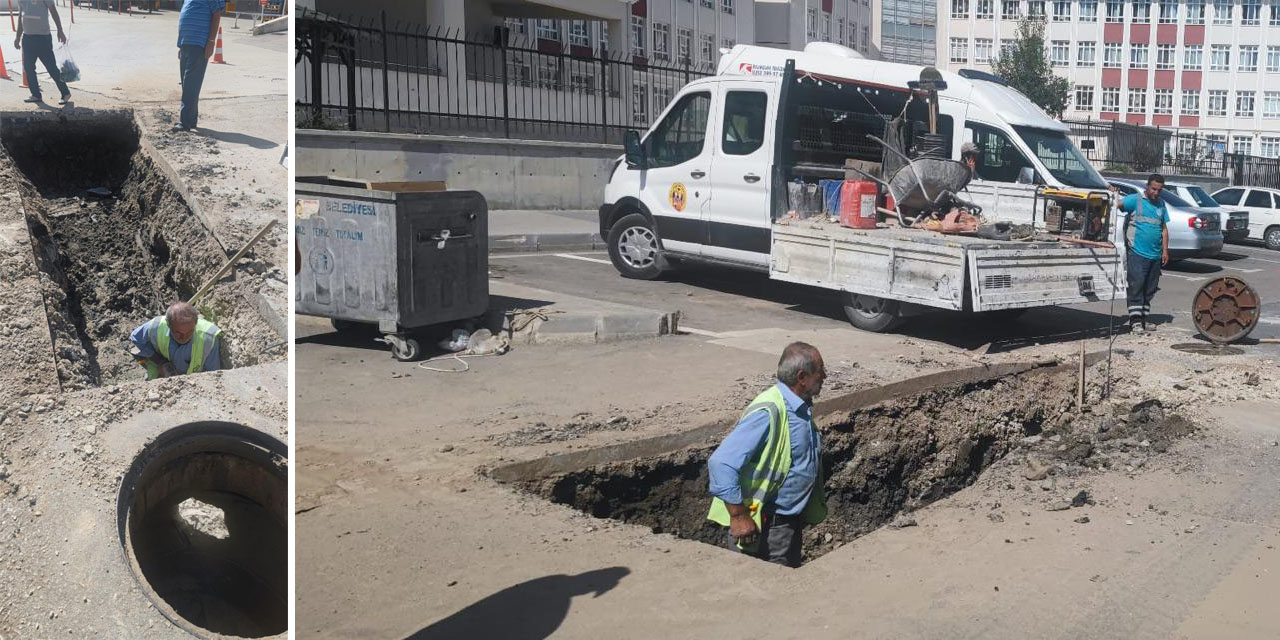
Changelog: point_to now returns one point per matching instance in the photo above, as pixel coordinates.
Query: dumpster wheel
(404, 349)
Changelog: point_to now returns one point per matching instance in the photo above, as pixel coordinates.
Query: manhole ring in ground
(203, 524)
(1207, 349)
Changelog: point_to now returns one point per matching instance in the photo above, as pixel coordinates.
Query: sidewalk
(528, 230)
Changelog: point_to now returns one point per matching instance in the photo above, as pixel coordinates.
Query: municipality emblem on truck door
(678, 196)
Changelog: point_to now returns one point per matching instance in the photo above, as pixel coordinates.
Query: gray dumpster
(400, 260)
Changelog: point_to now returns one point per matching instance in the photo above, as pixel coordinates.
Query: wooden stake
(1080, 390)
(239, 254)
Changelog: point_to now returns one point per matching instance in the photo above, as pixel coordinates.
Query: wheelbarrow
(923, 184)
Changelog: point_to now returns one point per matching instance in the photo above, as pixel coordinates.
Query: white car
(1263, 206)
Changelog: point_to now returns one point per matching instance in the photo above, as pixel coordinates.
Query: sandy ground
(400, 534)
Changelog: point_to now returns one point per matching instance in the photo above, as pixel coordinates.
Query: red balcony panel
(1136, 118)
(1193, 34)
(580, 51)
(640, 8)
(1140, 33)
(1162, 120)
(1192, 80)
(1189, 121)
(1108, 115)
(1167, 34)
(1113, 32)
(1137, 78)
(1164, 79)
(1111, 78)
(550, 46)
(826, 5)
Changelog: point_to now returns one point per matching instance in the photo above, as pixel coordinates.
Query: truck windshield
(1061, 158)
(1202, 197)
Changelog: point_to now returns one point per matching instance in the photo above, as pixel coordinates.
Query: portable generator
(1081, 214)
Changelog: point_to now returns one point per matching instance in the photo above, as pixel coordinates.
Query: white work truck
(709, 183)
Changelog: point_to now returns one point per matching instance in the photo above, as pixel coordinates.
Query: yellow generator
(1079, 214)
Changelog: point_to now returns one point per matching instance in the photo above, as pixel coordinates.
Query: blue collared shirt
(195, 19)
(179, 354)
(747, 439)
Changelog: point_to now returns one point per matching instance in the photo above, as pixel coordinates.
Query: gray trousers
(1144, 282)
(778, 543)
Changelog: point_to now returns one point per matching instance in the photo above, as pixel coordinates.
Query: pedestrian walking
(766, 476)
(1146, 234)
(197, 26)
(36, 43)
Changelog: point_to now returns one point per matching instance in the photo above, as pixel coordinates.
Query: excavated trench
(885, 452)
(202, 517)
(115, 242)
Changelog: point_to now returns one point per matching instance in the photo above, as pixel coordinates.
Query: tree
(1026, 68)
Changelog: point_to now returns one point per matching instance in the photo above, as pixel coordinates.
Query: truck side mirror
(1027, 176)
(634, 150)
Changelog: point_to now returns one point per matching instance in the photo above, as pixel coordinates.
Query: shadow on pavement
(992, 334)
(1227, 256)
(237, 138)
(530, 610)
(1188, 266)
(803, 299)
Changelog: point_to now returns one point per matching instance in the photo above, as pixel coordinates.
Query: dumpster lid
(416, 186)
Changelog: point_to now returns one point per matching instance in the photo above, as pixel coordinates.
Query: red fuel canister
(858, 204)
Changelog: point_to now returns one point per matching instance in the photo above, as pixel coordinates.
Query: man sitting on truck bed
(1146, 233)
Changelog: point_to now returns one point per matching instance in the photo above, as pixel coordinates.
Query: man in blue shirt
(1146, 232)
(197, 27)
(783, 515)
(166, 344)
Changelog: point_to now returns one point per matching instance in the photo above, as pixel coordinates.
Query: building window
(1168, 12)
(1062, 10)
(1195, 12)
(1220, 57)
(1165, 56)
(1141, 12)
(1035, 9)
(1242, 145)
(985, 10)
(959, 50)
(1086, 54)
(960, 9)
(812, 25)
(840, 39)
(1006, 47)
(549, 30)
(1244, 104)
(1273, 59)
(1251, 13)
(982, 50)
(866, 38)
(727, 43)
(1088, 11)
(1115, 11)
(637, 37)
(1217, 102)
(707, 4)
(1271, 104)
(1190, 102)
(707, 45)
(1111, 55)
(1163, 102)
(1084, 98)
(1137, 100)
(602, 40)
(1193, 57)
(1139, 56)
(1275, 13)
(1060, 53)
(684, 46)
(1269, 147)
(639, 102)
(726, 6)
(517, 26)
(1222, 11)
(1010, 9)
(1110, 99)
(661, 42)
(578, 35)
(826, 27)
(1249, 58)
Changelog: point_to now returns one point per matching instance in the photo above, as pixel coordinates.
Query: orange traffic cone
(217, 49)
(4, 73)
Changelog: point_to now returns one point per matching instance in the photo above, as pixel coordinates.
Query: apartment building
(1207, 65)
(908, 30)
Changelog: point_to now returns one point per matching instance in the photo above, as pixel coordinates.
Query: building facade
(908, 31)
(1212, 66)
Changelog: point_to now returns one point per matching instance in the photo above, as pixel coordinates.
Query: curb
(593, 328)
(545, 242)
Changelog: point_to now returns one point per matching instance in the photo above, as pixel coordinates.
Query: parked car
(1194, 232)
(1236, 227)
(1263, 206)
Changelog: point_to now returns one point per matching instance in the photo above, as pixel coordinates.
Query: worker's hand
(62, 37)
(743, 529)
(1164, 257)
(167, 370)
(208, 50)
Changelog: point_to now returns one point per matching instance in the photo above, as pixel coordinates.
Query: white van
(1263, 206)
(708, 181)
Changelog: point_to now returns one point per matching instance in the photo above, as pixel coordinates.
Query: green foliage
(1026, 68)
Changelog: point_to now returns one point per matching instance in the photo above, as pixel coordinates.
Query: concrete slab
(538, 316)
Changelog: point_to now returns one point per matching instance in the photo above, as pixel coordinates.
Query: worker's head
(1154, 184)
(969, 155)
(802, 370)
(181, 318)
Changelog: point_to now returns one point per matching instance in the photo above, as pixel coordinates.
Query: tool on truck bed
(1073, 214)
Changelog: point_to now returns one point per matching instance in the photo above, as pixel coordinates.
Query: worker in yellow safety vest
(178, 342)
(766, 476)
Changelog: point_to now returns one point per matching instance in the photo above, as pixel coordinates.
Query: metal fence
(368, 75)
(1127, 148)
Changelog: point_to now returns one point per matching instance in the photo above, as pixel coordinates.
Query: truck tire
(870, 313)
(634, 248)
(1271, 237)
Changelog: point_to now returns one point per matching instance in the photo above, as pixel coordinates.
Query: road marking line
(1263, 260)
(1243, 270)
(701, 332)
(583, 258)
(1269, 320)
(1181, 277)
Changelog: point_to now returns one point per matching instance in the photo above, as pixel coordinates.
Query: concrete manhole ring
(202, 516)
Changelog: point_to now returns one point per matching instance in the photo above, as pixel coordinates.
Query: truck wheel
(1272, 238)
(870, 313)
(634, 248)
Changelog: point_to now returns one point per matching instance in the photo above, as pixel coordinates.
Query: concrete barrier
(512, 174)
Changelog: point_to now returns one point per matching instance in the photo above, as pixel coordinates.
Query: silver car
(1194, 232)
(1236, 228)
